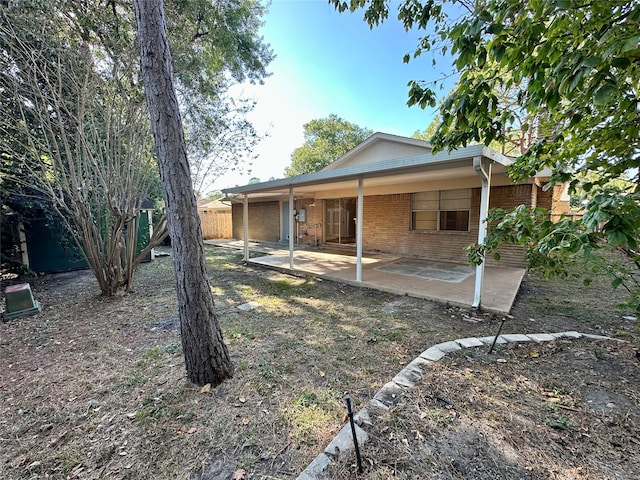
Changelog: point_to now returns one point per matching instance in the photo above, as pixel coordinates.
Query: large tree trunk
(206, 356)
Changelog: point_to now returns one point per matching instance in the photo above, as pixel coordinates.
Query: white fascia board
(377, 169)
(496, 157)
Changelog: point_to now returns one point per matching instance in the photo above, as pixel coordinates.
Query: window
(443, 210)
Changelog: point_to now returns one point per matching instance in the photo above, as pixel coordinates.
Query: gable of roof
(380, 146)
(441, 162)
(213, 205)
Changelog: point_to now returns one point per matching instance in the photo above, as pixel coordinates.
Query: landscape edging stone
(318, 467)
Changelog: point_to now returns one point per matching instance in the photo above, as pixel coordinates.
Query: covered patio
(359, 174)
(440, 281)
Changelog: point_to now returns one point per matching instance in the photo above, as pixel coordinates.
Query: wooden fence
(215, 224)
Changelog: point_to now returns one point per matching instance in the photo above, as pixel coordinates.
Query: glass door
(340, 220)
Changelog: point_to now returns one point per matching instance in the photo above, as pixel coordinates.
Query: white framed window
(441, 210)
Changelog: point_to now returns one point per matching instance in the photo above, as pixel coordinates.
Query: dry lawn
(94, 387)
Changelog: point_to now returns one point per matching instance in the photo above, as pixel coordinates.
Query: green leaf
(563, 4)
(632, 43)
(485, 16)
(621, 62)
(592, 61)
(604, 95)
(495, 28)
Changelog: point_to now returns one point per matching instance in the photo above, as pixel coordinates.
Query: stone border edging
(409, 377)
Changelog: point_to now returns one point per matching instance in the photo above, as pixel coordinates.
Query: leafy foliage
(571, 70)
(578, 63)
(610, 223)
(76, 136)
(325, 140)
(74, 127)
(213, 48)
(428, 132)
(219, 139)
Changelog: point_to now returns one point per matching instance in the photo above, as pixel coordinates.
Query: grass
(312, 412)
(531, 417)
(106, 376)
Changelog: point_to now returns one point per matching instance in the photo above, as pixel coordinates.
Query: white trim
(291, 227)
(483, 169)
(359, 222)
(245, 226)
(441, 160)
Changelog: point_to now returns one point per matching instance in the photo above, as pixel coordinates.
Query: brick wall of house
(310, 232)
(544, 198)
(559, 206)
(387, 227)
(387, 224)
(552, 200)
(264, 221)
(507, 198)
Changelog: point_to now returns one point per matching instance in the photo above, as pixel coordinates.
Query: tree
(220, 139)
(98, 111)
(206, 356)
(428, 132)
(575, 66)
(325, 140)
(75, 141)
(523, 130)
(215, 47)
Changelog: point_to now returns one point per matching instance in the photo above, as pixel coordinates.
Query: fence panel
(215, 224)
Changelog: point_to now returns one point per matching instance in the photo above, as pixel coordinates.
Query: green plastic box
(20, 302)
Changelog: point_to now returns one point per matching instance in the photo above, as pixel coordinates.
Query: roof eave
(377, 169)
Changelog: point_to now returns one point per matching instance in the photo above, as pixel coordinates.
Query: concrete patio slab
(500, 284)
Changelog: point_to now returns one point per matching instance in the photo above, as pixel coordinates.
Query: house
(215, 219)
(391, 194)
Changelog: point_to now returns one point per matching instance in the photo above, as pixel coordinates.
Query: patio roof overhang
(475, 163)
(456, 164)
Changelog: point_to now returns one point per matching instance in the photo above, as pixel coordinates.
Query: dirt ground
(526, 418)
(95, 387)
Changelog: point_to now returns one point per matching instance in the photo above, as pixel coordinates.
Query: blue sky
(332, 63)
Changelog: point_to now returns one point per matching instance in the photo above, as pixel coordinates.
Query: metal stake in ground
(496, 337)
(347, 399)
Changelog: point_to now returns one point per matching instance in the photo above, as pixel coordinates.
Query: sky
(331, 63)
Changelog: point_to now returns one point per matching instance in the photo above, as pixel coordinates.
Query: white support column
(359, 232)
(291, 228)
(483, 169)
(23, 244)
(150, 223)
(245, 226)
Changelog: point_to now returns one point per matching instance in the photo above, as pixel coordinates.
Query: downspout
(359, 232)
(483, 169)
(245, 226)
(291, 227)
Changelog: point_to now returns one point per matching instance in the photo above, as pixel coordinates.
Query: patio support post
(359, 232)
(291, 227)
(483, 169)
(245, 226)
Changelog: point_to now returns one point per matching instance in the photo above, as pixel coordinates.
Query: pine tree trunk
(206, 356)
